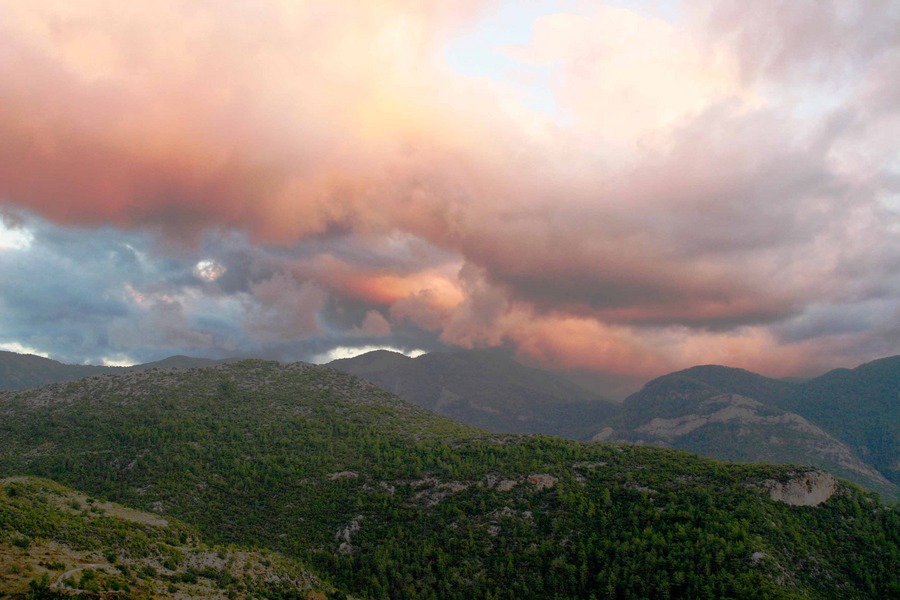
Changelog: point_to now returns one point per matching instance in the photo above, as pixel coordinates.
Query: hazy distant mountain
(485, 388)
(20, 371)
(180, 362)
(844, 421)
(260, 479)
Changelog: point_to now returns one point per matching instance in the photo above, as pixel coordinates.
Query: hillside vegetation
(56, 542)
(846, 421)
(860, 406)
(384, 499)
(685, 412)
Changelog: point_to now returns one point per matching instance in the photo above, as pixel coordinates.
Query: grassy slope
(54, 539)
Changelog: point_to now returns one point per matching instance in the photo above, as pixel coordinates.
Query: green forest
(381, 499)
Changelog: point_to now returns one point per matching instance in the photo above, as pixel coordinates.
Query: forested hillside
(846, 421)
(384, 499)
(860, 406)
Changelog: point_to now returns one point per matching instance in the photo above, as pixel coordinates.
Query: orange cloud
(676, 194)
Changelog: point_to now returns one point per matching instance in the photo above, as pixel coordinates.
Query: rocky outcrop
(735, 427)
(810, 488)
(727, 408)
(605, 434)
(542, 481)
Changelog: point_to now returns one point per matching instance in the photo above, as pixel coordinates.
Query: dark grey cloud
(288, 212)
(93, 294)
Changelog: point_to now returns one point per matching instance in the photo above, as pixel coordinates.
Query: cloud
(621, 76)
(290, 177)
(351, 351)
(20, 349)
(13, 237)
(209, 270)
(790, 40)
(283, 308)
(179, 117)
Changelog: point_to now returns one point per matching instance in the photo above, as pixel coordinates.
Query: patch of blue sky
(480, 51)
(667, 10)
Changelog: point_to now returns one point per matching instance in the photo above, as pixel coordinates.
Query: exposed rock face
(506, 485)
(811, 488)
(735, 427)
(346, 534)
(542, 481)
(722, 409)
(607, 433)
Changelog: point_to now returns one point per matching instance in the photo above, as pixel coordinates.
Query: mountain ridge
(22, 371)
(845, 420)
(388, 500)
(828, 421)
(485, 388)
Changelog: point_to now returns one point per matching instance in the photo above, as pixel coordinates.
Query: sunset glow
(612, 187)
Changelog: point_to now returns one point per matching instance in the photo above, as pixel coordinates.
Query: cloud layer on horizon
(723, 188)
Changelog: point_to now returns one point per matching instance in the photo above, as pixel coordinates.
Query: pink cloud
(684, 194)
(282, 308)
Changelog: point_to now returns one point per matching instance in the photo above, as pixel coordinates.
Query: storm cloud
(284, 178)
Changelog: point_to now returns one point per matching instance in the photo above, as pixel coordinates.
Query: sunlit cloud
(117, 360)
(628, 187)
(208, 270)
(351, 351)
(22, 349)
(14, 238)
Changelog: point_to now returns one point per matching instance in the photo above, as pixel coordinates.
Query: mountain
(21, 371)
(861, 407)
(845, 421)
(384, 499)
(486, 389)
(179, 362)
(18, 371)
(56, 542)
(742, 382)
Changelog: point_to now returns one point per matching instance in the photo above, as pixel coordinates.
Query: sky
(623, 188)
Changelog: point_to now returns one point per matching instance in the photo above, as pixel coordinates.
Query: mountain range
(305, 475)
(740, 416)
(487, 389)
(846, 421)
(20, 371)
